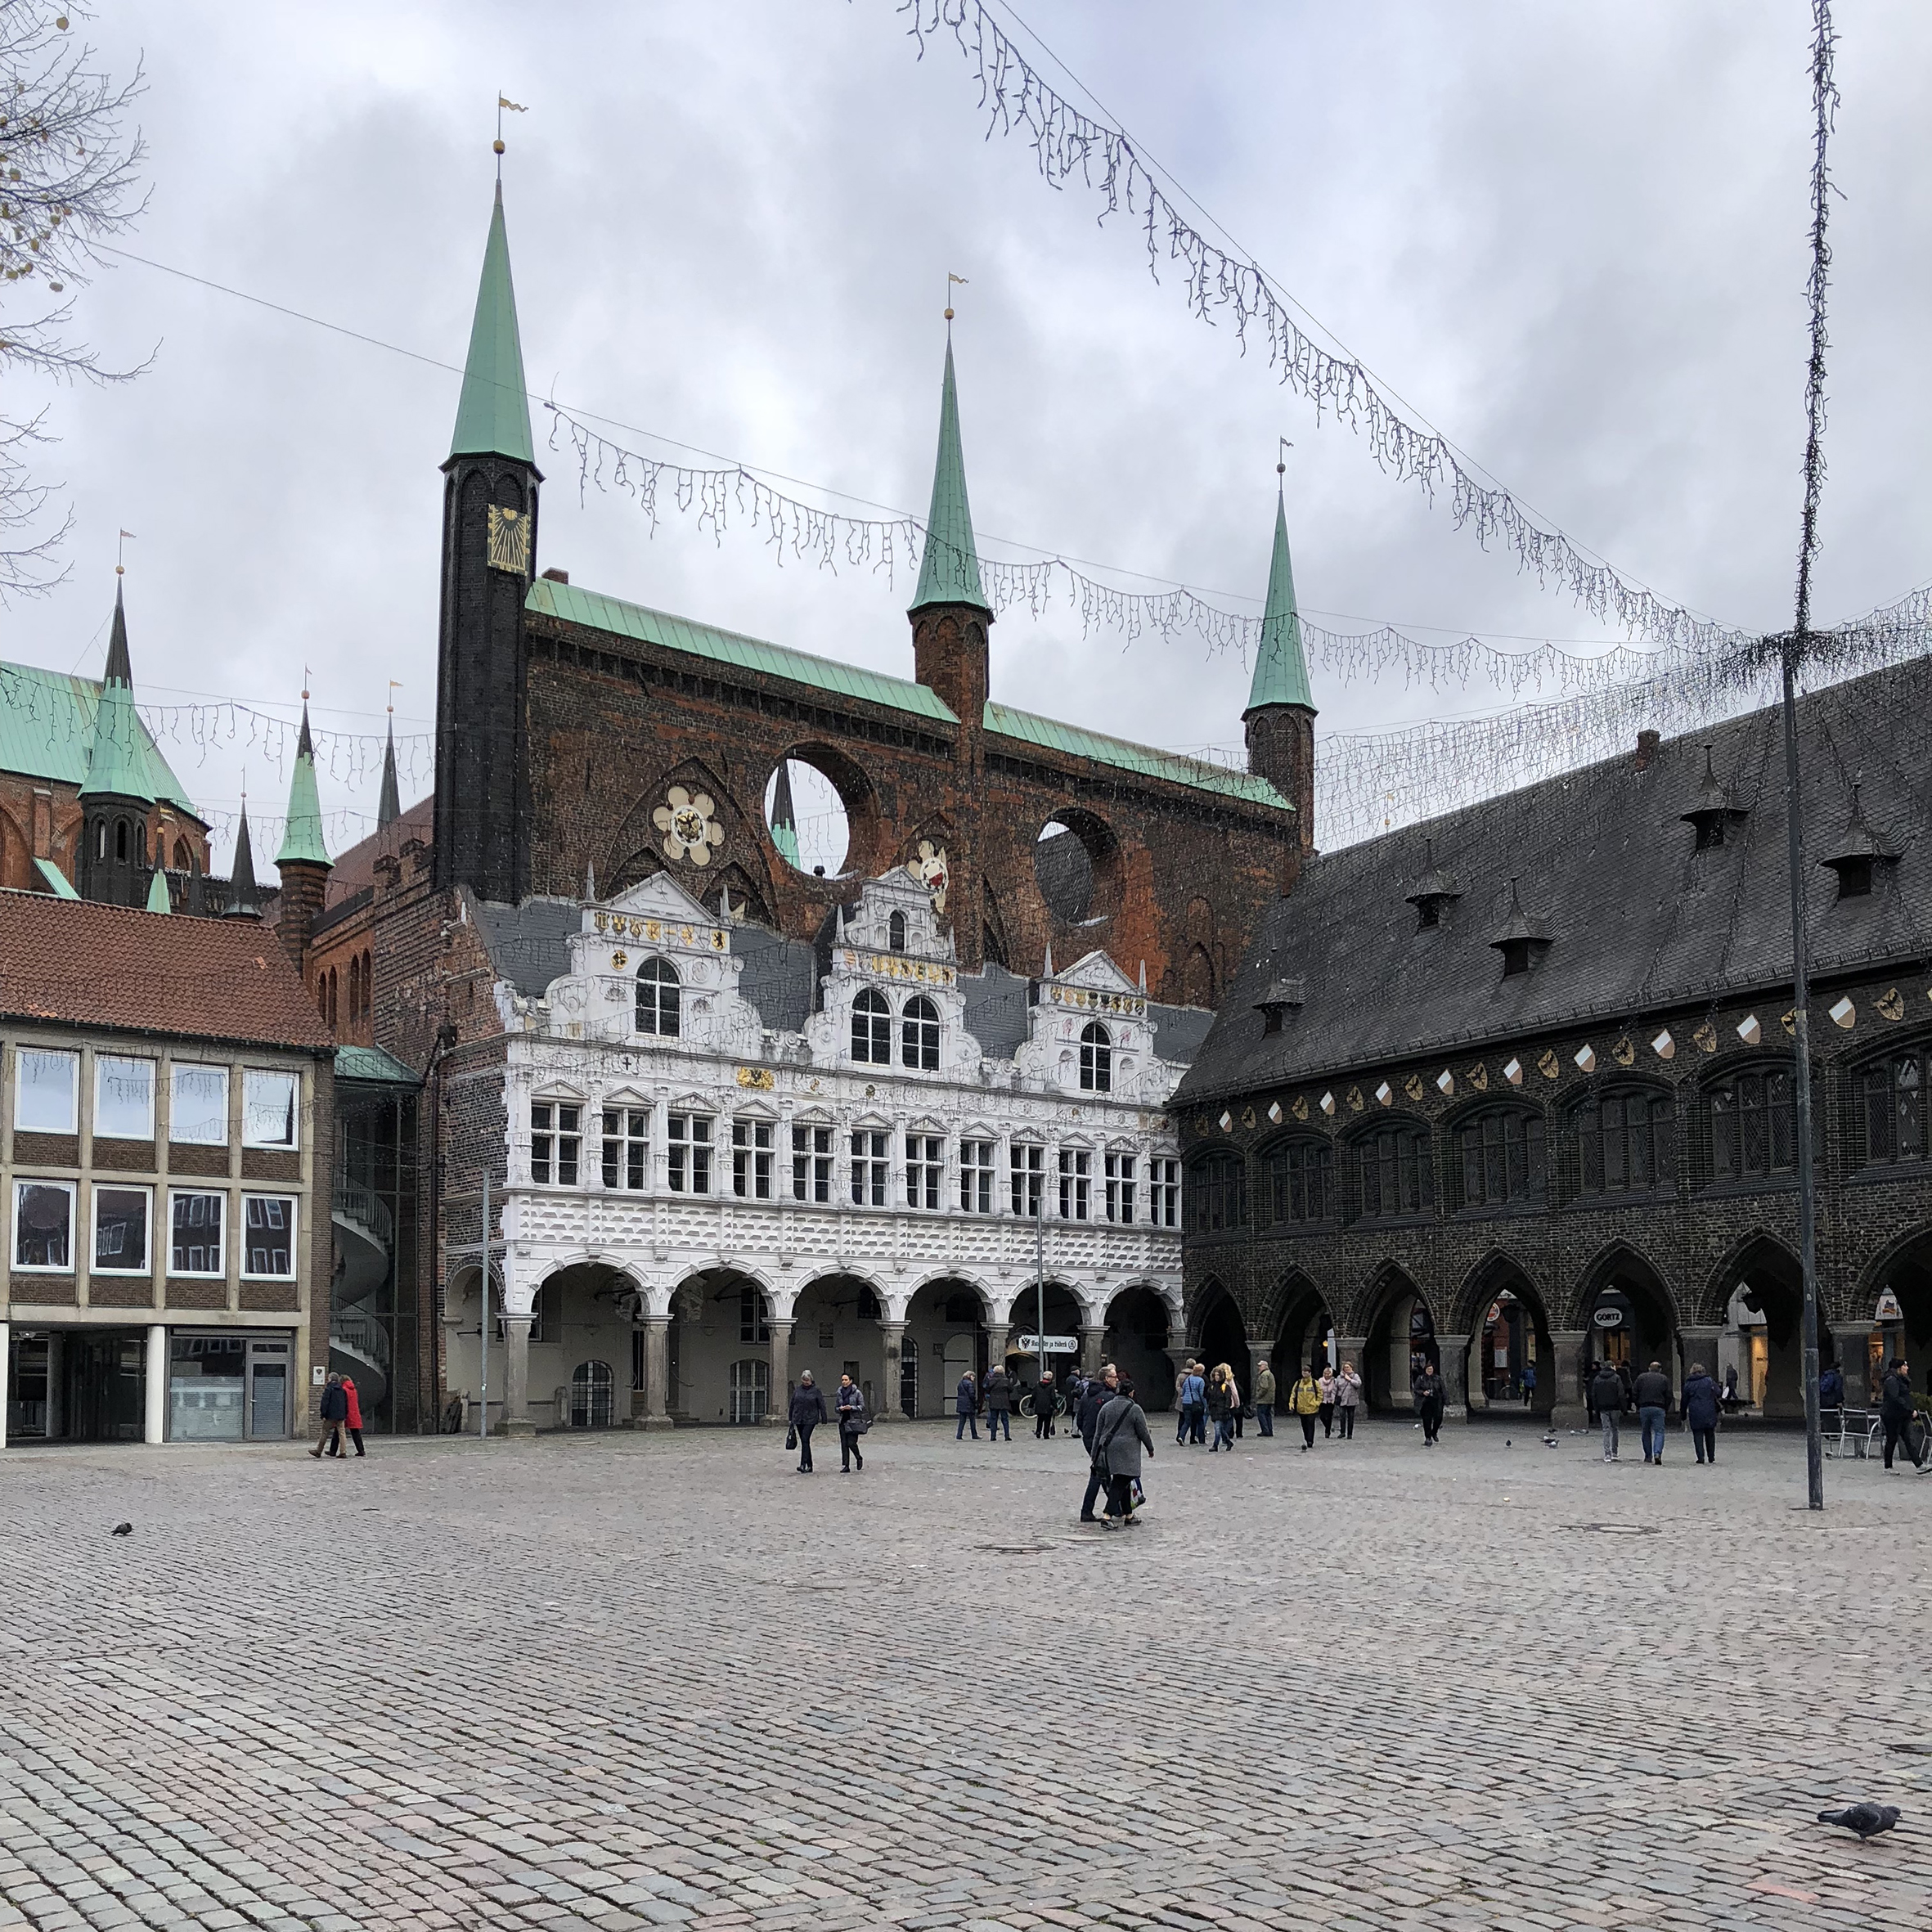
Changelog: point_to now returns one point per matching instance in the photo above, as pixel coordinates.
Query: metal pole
(482, 1415)
(1814, 1447)
(1040, 1268)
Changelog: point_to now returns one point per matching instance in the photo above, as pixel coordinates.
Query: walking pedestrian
(1348, 1396)
(1264, 1399)
(1606, 1398)
(1831, 1391)
(1120, 1434)
(1093, 1398)
(1653, 1409)
(853, 1424)
(1045, 1395)
(1305, 1399)
(966, 1403)
(1894, 1410)
(1731, 1390)
(1528, 1385)
(1326, 1384)
(354, 1419)
(334, 1412)
(1193, 1405)
(1430, 1396)
(998, 1392)
(1701, 1412)
(1220, 1407)
(807, 1410)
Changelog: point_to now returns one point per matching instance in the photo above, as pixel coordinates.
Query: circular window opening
(807, 818)
(1073, 863)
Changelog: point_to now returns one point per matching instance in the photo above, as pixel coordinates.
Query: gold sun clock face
(509, 541)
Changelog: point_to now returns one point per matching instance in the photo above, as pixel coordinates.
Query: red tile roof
(73, 963)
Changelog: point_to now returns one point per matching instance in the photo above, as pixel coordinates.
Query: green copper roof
(302, 843)
(573, 605)
(1281, 670)
(55, 880)
(1075, 742)
(373, 1063)
(949, 571)
(46, 731)
(493, 415)
(784, 817)
(160, 899)
(118, 764)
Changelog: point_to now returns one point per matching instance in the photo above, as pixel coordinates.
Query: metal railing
(365, 1208)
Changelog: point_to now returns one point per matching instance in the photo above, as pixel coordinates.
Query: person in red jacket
(354, 1423)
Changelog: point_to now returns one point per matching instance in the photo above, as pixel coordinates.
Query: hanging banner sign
(1056, 1345)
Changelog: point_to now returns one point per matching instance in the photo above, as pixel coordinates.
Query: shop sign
(1609, 1318)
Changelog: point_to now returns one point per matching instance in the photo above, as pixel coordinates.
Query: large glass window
(975, 1176)
(1076, 1184)
(626, 1148)
(1163, 1188)
(658, 999)
(872, 1029)
(811, 1162)
(268, 1237)
(123, 1099)
(1119, 1186)
(45, 1085)
(1298, 1183)
(1503, 1163)
(205, 1390)
(43, 1225)
(1626, 1142)
(754, 1324)
(1096, 1058)
(918, 1042)
(121, 1230)
(556, 1142)
(872, 1167)
(198, 1105)
(750, 1390)
(195, 1233)
(1394, 1173)
(268, 1109)
(1891, 1103)
(1027, 1162)
(925, 1171)
(750, 1160)
(1753, 1131)
(689, 1154)
(1217, 1193)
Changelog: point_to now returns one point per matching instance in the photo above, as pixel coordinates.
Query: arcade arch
(1510, 1362)
(1892, 1316)
(1401, 1339)
(1138, 1330)
(1759, 1287)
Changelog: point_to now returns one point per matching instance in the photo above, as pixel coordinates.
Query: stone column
(894, 1334)
(516, 1376)
(6, 1331)
(1092, 1340)
(1699, 1345)
(657, 1372)
(56, 1380)
(1352, 1348)
(1453, 1355)
(1568, 1347)
(779, 1409)
(156, 1385)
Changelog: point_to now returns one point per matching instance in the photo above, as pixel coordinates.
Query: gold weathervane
(503, 100)
(950, 278)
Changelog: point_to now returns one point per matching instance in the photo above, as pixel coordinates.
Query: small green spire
(1281, 670)
(118, 765)
(160, 899)
(949, 571)
(493, 415)
(784, 818)
(302, 843)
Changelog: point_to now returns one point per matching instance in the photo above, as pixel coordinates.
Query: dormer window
(896, 933)
(1436, 892)
(872, 1029)
(658, 998)
(1857, 854)
(1096, 1059)
(1523, 939)
(1714, 813)
(1283, 997)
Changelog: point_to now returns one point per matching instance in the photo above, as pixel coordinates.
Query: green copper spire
(784, 818)
(117, 765)
(949, 571)
(493, 416)
(160, 899)
(1280, 671)
(302, 843)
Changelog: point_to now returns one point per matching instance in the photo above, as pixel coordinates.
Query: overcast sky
(1573, 237)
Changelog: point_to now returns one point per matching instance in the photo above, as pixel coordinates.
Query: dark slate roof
(1179, 1032)
(1637, 922)
(997, 1010)
(780, 977)
(529, 944)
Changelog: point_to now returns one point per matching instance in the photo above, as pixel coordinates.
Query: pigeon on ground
(122, 1529)
(1867, 1820)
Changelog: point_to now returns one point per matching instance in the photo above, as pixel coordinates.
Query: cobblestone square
(637, 1680)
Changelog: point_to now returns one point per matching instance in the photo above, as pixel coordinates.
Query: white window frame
(219, 1272)
(1026, 1165)
(689, 1144)
(248, 1271)
(626, 1148)
(1121, 1177)
(925, 1172)
(175, 1107)
(752, 1146)
(22, 1182)
(249, 1076)
(754, 1331)
(1077, 1184)
(20, 1055)
(96, 1265)
(102, 1063)
(920, 1032)
(553, 1142)
(978, 1159)
(812, 1156)
(871, 1150)
(873, 1011)
(1163, 1190)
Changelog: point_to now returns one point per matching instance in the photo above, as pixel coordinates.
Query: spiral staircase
(358, 1342)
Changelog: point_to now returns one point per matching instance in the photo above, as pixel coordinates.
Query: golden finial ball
(1281, 470)
(496, 147)
(948, 315)
(120, 570)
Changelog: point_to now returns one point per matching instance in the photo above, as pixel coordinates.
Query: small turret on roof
(1858, 852)
(388, 803)
(949, 569)
(302, 843)
(1713, 810)
(117, 765)
(1523, 937)
(493, 412)
(160, 899)
(1281, 666)
(1435, 891)
(245, 896)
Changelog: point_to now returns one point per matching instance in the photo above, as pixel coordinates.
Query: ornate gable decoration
(1094, 984)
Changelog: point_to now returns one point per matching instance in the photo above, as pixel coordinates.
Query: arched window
(355, 985)
(1890, 1098)
(1626, 1142)
(1216, 1193)
(100, 839)
(1503, 1163)
(120, 839)
(1395, 1175)
(872, 1029)
(180, 855)
(1096, 1058)
(896, 933)
(1298, 1183)
(591, 1387)
(1753, 1128)
(332, 1006)
(658, 999)
(918, 1033)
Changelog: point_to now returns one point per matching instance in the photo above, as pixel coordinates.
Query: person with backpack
(999, 1394)
(853, 1424)
(1193, 1406)
(1305, 1399)
(1831, 1390)
(1120, 1434)
(1100, 1390)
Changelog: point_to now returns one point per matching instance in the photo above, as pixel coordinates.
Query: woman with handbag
(1305, 1399)
(853, 1422)
(807, 1411)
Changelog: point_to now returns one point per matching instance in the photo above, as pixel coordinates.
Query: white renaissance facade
(700, 1204)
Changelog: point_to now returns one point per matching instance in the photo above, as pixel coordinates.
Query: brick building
(1563, 1127)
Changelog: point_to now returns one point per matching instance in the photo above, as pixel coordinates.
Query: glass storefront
(227, 1388)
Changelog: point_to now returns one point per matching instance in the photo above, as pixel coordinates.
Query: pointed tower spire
(244, 898)
(949, 571)
(302, 843)
(784, 822)
(1279, 721)
(160, 899)
(119, 788)
(494, 413)
(388, 803)
(119, 670)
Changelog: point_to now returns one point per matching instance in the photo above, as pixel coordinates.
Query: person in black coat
(998, 1391)
(335, 1413)
(1430, 1396)
(807, 1411)
(1043, 1405)
(1606, 1397)
(1895, 1409)
(966, 1406)
(1099, 1390)
(1700, 1411)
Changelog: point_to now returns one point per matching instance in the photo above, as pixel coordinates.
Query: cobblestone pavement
(627, 1681)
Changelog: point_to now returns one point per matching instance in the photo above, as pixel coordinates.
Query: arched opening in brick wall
(819, 811)
(1076, 866)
